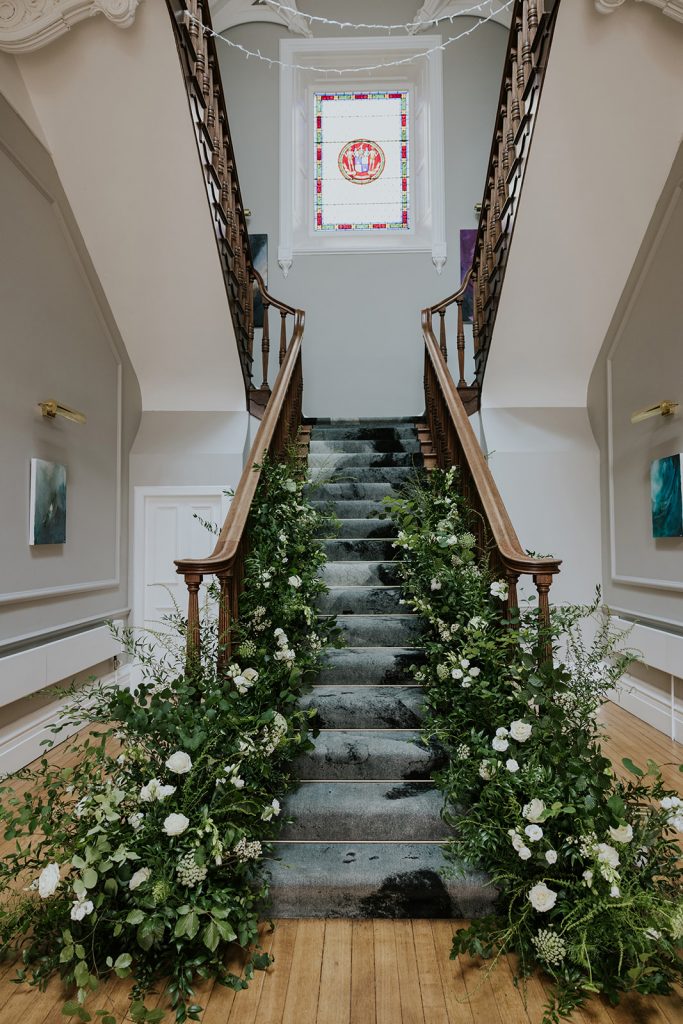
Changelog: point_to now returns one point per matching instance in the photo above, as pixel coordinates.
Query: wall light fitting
(52, 409)
(663, 408)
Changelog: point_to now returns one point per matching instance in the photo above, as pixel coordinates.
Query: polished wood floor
(381, 972)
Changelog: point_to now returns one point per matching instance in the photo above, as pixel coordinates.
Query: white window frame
(424, 81)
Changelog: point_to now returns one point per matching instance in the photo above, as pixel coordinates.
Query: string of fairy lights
(477, 10)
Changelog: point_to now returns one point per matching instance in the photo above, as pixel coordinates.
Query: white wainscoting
(661, 707)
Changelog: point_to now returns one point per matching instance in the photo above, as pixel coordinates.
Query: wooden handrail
(531, 33)
(456, 444)
(197, 51)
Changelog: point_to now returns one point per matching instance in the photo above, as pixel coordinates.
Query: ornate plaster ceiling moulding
(227, 14)
(672, 8)
(27, 25)
(431, 9)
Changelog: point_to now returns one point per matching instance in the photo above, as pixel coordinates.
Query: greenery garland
(151, 861)
(586, 865)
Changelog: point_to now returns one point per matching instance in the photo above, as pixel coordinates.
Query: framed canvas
(468, 238)
(47, 503)
(666, 497)
(259, 255)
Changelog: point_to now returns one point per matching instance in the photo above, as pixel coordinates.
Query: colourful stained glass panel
(361, 146)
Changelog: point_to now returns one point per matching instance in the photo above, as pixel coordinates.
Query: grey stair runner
(366, 832)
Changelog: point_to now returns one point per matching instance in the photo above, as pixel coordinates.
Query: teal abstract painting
(47, 524)
(667, 497)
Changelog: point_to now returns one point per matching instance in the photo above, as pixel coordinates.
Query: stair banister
(456, 444)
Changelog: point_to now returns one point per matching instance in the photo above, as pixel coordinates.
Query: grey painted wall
(363, 347)
(645, 352)
(58, 340)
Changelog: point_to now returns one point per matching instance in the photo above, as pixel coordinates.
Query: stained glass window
(361, 161)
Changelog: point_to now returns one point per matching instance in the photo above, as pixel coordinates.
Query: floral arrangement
(585, 864)
(145, 858)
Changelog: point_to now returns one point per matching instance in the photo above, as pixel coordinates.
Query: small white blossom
(485, 770)
(48, 881)
(295, 581)
(290, 486)
(588, 877)
(607, 855)
(135, 820)
(534, 832)
(81, 909)
(622, 834)
(457, 673)
(550, 947)
(500, 744)
(551, 856)
(512, 765)
(271, 811)
(474, 672)
(520, 731)
(499, 589)
(533, 811)
(175, 824)
(615, 892)
(435, 585)
(139, 878)
(154, 790)
(180, 763)
(502, 731)
(542, 898)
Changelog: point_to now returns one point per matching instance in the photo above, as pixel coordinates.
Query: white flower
(622, 834)
(271, 811)
(290, 485)
(520, 731)
(295, 581)
(237, 782)
(180, 763)
(139, 878)
(524, 852)
(250, 674)
(464, 663)
(435, 585)
(671, 802)
(242, 684)
(279, 631)
(542, 898)
(653, 934)
(135, 820)
(175, 824)
(485, 771)
(81, 909)
(588, 877)
(48, 880)
(474, 672)
(534, 832)
(502, 731)
(155, 791)
(615, 892)
(533, 811)
(500, 744)
(607, 855)
(499, 589)
(457, 673)
(551, 856)
(476, 622)
(512, 765)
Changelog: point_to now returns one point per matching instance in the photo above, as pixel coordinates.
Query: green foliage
(151, 861)
(585, 865)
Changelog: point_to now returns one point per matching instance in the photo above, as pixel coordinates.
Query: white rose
(81, 909)
(139, 878)
(533, 811)
(615, 892)
(290, 485)
(524, 852)
(551, 856)
(155, 791)
(435, 585)
(180, 763)
(500, 744)
(242, 684)
(499, 589)
(464, 662)
(622, 834)
(457, 673)
(48, 880)
(485, 771)
(250, 674)
(607, 855)
(279, 631)
(474, 672)
(502, 731)
(520, 731)
(512, 765)
(542, 898)
(237, 782)
(175, 824)
(534, 832)
(295, 581)
(135, 820)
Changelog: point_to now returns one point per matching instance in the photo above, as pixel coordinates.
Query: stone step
(373, 880)
(364, 421)
(365, 707)
(361, 574)
(368, 811)
(363, 666)
(393, 476)
(361, 601)
(405, 444)
(380, 630)
(370, 754)
(362, 432)
(360, 549)
(351, 490)
(369, 460)
(351, 509)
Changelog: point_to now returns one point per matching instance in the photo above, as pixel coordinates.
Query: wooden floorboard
(379, 972)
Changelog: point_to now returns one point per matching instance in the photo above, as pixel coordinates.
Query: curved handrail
(456, 443)
(230, 537)
(460, 294)
(270, 299)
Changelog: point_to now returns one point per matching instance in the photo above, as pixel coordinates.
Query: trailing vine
(585, 864)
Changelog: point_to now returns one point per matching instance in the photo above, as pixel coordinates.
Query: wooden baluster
(543, 582)
(283, 335)
(265, 344)
(250, 320)
(512, 599)
(224, 619)
(193, 640)
(234, 591)
(516, 107)
(475, 314)
(442, 335)
(461, 347)
(526, 44)
(532, 19)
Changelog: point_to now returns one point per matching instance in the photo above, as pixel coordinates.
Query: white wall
(363, 350)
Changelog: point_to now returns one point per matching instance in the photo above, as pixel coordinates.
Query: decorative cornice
(454, 9)
(227, 14)
(27, 25)
(672, 8)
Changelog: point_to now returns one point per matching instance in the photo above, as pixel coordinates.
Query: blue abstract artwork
(47, 524)
(667, 497)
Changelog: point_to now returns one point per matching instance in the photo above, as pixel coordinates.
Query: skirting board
(20, 741)
(652, 706)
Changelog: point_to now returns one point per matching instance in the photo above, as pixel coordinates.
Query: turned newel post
(193, 582)
(283, 335)
(442, 335)
(461, 347)
(224, 618)
(543, 582)
(265, 343)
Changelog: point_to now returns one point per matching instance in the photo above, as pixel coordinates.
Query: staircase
(366, 831)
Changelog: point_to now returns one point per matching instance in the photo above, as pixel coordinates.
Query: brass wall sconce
(663, 408)
(52, 409)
